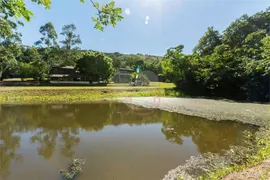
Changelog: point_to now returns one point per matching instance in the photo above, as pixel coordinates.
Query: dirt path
(256, 114)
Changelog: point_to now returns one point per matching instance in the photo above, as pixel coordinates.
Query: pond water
(118, 141)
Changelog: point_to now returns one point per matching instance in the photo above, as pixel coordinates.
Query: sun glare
(153, 4)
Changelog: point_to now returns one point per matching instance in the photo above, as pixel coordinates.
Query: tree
(68, 54)
(96, 66)
(183, 70)
(40, 69)
(167, 71)
(7, 59)
(48, 42)
(6, 28)
(170, 62)
(258, 74)
(219, 74)
(117, 59)
(9, 46)
(234, 65)
(107, 14)
(25, 70)
(252, 45)
(225, 75)
(49, 36)
(32, 61)
(208, 42)
(71, 39)
(237, 32)
(266, 48)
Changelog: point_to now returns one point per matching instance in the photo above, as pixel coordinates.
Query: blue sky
(169, 22)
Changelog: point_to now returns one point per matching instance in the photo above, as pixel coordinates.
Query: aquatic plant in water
(73, 170)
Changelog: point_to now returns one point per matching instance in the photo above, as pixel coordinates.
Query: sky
(149, 26)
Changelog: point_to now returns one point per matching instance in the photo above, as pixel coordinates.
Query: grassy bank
(80, 94)
(239, 158)
(256, 150)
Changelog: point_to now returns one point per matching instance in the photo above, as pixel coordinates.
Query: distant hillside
(146, 62)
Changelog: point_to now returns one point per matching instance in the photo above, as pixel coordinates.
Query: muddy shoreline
(248, 113)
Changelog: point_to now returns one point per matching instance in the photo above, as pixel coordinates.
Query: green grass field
(70, 94)
(109, 86)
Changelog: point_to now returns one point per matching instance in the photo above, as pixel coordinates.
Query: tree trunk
(1, 76)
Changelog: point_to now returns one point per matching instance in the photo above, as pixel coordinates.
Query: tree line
(36, 61)
(233, 65)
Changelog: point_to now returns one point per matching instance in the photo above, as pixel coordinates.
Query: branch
(99, 11)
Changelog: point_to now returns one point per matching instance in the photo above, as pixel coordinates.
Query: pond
(118, 141)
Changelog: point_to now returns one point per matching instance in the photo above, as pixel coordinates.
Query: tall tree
(9, 46)
(237, 32)
(174, 63)
(208, 42)
(70, 38)
(49, 36)
(49, 42)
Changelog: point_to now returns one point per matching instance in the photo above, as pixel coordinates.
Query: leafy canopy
(49, 36)
(107, 14)
(234, 65)
(71, 39)
(96, 66)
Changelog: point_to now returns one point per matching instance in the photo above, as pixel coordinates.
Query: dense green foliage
(233, 65)
(11, 12)
(147, 63)
(71, 39)
(9, 46)
(96, 66)
(35, 62)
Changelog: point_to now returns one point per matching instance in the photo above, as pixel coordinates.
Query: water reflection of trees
(9, 142)
(52, 125)
(209, 136)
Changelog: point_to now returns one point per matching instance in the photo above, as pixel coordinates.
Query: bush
(25, 70)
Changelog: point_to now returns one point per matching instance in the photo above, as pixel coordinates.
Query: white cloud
(127, 11)
(146, 22)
